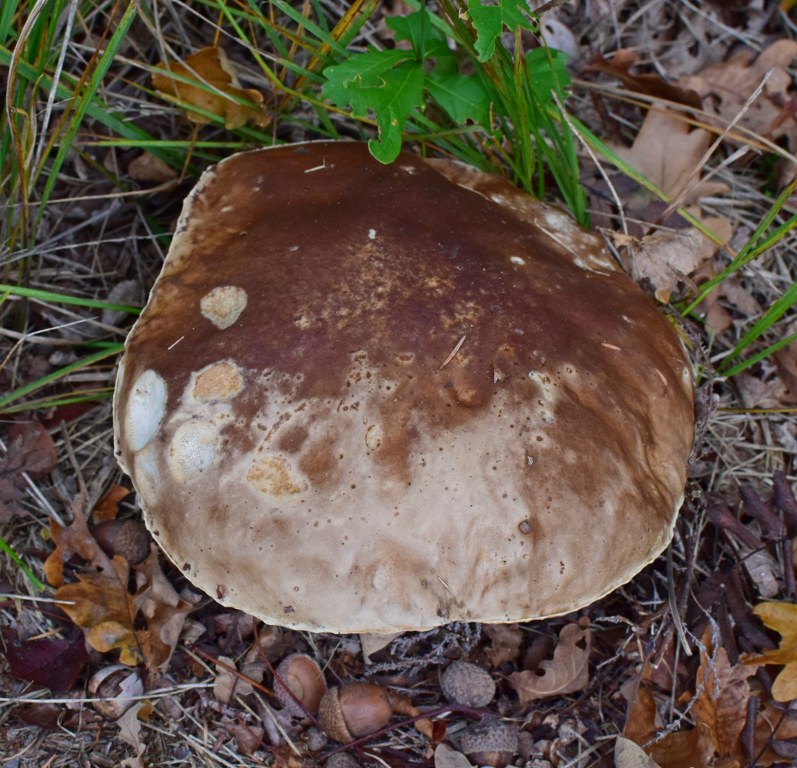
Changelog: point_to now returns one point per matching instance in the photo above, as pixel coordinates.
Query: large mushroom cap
(381, 398)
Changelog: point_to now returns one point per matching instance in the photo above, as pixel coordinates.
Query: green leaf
(401, 94)
(416, 28)
(388, 83)
(463, 97)
(547, 68)
(489, 22)
(360, 80)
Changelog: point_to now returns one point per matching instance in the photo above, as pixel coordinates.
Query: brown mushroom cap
(381, 398)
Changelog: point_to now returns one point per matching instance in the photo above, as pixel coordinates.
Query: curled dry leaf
(30, 451)
(213, 87)
(567, 672)
(630, 755)
(505, 643)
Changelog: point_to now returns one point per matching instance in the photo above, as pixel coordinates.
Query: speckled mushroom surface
(378, 398)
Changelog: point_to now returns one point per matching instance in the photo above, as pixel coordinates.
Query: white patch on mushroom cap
(223, 305)
(145, 466)
(193, 450)
(145, 408)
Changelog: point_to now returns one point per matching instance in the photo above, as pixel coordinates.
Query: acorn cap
(373, 398)
(465, 683)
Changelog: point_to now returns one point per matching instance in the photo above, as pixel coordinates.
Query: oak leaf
(726, 87)
(144, 625)
(721, 701)
(567, 672)
(212, 87)
(782, 617)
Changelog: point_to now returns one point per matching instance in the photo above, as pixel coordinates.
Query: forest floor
(680, 667)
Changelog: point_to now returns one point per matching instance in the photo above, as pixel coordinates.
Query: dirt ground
(677, 668)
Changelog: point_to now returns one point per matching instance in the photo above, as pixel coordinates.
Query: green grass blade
(61, 298)
(51, 378)
(4, 547)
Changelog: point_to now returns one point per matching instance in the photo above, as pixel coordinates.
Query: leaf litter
(680, 707)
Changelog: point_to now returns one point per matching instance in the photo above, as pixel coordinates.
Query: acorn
(128, 538)
(490, 742)
(347, 712)
(302, 675)
(467, 684)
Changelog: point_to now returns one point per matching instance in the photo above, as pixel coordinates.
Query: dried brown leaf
(685, 749)
(30, 450)
(652, 84)
(721, 702)
(214, 88)
(147, 167)
(567, 672)
(505, 643)
(782, 617)
(627, 754)
(726, 87)
(668, 152)
(71, 540)
(102, 606)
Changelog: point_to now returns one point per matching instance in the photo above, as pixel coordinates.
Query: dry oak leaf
(31, 451)
(102, 606)
(782, 617)
(213, 87)
(70, 540)
(144, 626)
(721, 701)
(567, 672)
(726, 87)
(668, 151)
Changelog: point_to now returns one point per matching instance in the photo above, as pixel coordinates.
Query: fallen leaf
(108, 506)
(102, 606)
(248, 738)
(642, 720)
(505, 643)
(147, 167)
(652, 84)
(627, 754)
(772, 724)
(214, 88)
(31, 451)
(684, 749)
(51, 662)
(721, 701)
(782, 617)
(71, 540)
(163, 611)
(726, 87)
(668, 151)
(129, 725)
(446, 757)
(567, 672)
(143, 626)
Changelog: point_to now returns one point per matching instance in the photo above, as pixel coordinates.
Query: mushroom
(382, 398)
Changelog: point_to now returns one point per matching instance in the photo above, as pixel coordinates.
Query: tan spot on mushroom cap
(273, 476)
(219, 381)
(223, 305)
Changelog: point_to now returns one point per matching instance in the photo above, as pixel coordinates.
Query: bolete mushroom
(380, 398)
